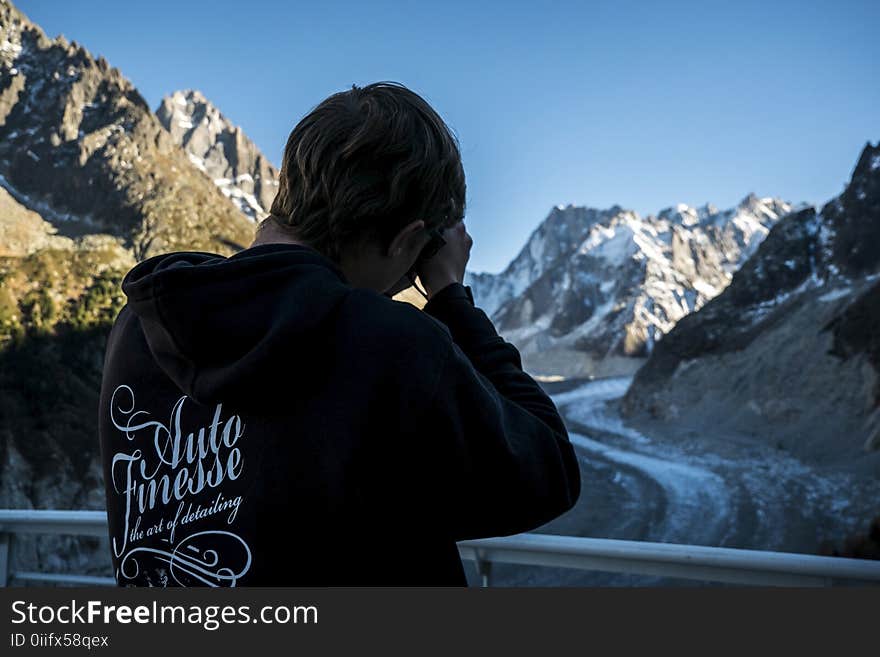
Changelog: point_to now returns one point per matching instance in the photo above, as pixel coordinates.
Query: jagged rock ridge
(790, 349)
(593, 290)
(222, 150)
(62, 111)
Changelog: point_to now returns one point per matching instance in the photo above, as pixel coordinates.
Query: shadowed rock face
(796, 329)
(856, 332)
(222, 150)
(79, 144)
(597, 288)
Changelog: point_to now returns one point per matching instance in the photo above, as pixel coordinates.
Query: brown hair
(366, 162)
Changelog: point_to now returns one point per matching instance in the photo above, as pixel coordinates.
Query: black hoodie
(264, 423)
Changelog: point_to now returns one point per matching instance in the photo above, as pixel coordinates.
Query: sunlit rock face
(593, 291)
(80, 146)
(222, 150)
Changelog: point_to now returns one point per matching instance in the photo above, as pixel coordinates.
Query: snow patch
(8, 46)
(196, 160)
(833, 295)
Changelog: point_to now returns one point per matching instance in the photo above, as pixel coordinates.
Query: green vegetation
(54, 290)
(56, 309)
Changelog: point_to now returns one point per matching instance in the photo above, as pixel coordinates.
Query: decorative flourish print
(190, 561)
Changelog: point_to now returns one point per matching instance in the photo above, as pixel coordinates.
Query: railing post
(6, 539)
(484, 568)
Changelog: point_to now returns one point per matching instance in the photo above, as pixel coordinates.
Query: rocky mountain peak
(555, 238)
(686, 215)
(853, 218)
(805, 251)
(599, 287)
(63, 110)
(796, 331)
(221, 150)
(770, 207)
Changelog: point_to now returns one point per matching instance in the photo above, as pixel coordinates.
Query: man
(275, 418)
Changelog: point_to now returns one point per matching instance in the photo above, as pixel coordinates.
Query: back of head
(363, 164)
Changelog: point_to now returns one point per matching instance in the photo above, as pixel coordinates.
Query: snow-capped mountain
(80, 146)
(593, 290)
(554, 239)
(791, 349)
(221, 150)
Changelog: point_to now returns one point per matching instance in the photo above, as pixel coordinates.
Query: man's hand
(448, 264)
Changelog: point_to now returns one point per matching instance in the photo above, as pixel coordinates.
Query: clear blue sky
(643, 104)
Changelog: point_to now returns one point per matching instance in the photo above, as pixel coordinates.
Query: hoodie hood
(220, 326)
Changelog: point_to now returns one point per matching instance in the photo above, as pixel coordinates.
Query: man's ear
(409, 238)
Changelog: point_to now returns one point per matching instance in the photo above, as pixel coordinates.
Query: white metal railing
(27, 521)
(713, 564)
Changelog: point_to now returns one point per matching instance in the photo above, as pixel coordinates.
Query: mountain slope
(790, 349)
(23, 231)
(592, 291)
(62, 110)
(222, 150)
